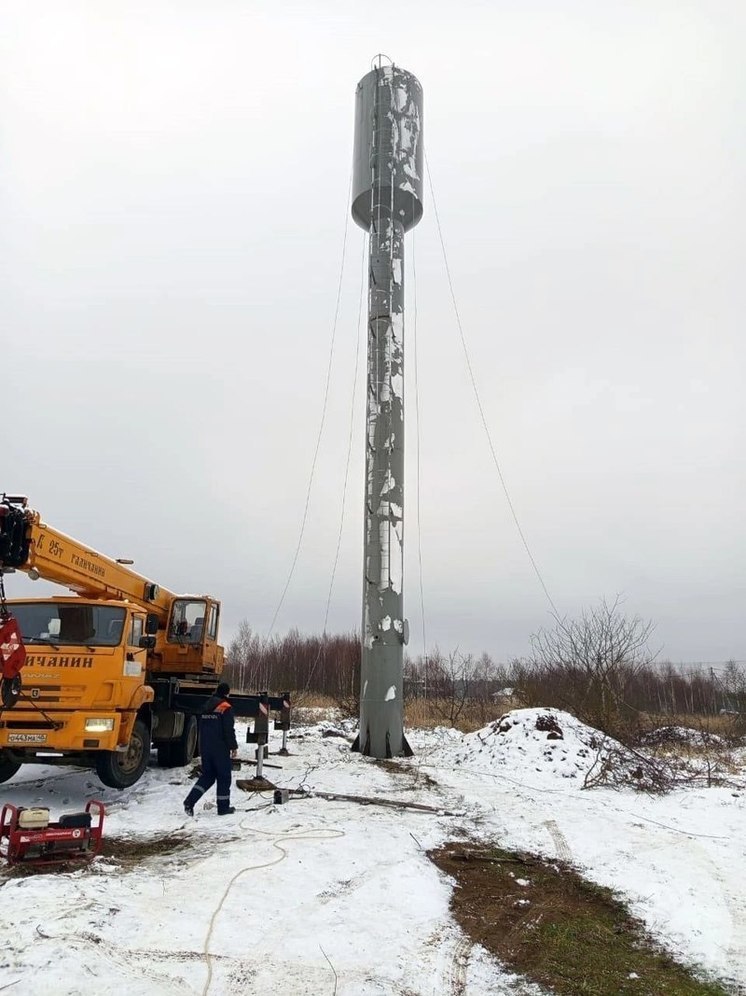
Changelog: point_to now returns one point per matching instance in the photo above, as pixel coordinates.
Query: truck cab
(189, 642)
(83, 685)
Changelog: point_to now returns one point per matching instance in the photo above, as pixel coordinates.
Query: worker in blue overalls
(217, 746)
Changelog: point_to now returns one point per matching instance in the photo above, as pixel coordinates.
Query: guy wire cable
(323, 412)
(312, 669)
(482, 416)
(366, 236)
(351, 432)
(375, 226)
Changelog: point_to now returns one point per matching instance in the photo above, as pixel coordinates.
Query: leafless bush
(658, 770)
(617, 766)
(590, 663)
(453, 683)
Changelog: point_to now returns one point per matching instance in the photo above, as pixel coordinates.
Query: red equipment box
(75, 837)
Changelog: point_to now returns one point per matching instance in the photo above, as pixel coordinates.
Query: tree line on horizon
(597, 666)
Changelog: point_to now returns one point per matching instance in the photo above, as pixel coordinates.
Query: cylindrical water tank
(388, 157)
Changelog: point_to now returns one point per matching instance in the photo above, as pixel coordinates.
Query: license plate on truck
(27, 738)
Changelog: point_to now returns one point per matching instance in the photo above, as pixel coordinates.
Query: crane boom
(27, 544)
(185, 627)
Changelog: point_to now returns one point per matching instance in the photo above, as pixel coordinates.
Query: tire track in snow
(136, 965)
(561, 845)
(736, 906)
(458, 962)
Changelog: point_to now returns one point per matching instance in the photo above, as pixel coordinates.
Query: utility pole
(386, 202)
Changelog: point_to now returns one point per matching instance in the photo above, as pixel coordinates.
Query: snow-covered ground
(321, 896)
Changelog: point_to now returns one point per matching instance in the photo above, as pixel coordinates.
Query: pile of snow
(676, 736)
(696, 756)
(542, 747)
(345, 728)
(542, 744)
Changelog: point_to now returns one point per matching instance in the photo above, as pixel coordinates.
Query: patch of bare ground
(543, 920)
(255, 784)
(126, 851)
(412, 772)
(132, 850)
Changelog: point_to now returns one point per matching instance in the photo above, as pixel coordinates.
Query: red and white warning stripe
(10, 646)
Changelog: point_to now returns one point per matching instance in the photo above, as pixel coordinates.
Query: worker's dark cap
(223, 688)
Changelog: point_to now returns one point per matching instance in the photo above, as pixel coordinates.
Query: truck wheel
(178, 753)
(8, 766)
(120, 770)
(186, 746)
(165, 754)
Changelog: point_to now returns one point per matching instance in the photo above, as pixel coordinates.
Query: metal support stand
(260, 734)
(284, 724)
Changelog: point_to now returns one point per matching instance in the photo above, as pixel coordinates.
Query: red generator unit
(27, 837)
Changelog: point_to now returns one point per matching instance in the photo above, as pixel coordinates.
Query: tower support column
(387, 202)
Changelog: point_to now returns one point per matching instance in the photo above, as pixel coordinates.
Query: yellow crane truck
(119, 667)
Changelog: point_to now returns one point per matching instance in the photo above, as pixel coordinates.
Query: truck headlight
(98, 725)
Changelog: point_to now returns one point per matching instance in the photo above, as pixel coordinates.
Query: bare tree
(459, 680)
(295, 662)
(244, 657)
(594, 659)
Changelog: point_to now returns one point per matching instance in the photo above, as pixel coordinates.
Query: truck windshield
(84, 625)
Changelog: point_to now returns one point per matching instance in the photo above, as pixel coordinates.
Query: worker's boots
(227, 811)
(196, 793)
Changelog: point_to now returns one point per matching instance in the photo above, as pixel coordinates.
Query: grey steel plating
(386, 202)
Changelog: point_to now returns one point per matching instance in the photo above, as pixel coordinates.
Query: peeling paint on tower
(386, 202)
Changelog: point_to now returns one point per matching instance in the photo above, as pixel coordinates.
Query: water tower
(386, 202)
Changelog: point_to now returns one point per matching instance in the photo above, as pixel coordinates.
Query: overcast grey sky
(173, 184)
